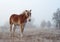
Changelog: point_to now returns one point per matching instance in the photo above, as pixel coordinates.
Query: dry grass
(32, 35)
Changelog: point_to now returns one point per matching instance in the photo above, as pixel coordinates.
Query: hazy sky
(41, 9)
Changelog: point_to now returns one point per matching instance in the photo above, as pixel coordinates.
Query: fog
(41, 9)
(44, 25)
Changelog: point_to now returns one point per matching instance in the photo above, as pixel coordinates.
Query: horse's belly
(16, 22)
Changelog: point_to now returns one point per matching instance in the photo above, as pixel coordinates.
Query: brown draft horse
(20, 20)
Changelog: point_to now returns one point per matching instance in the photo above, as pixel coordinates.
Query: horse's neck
(23, 16)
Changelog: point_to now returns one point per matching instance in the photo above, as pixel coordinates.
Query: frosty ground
(31, 35)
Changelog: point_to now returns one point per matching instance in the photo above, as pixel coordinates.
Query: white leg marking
(21, 34)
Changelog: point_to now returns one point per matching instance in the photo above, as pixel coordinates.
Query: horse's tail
(10, 21)
(11, 17)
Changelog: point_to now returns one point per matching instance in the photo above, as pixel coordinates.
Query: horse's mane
(23, 12)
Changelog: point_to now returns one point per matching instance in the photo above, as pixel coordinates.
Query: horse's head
(28, 14)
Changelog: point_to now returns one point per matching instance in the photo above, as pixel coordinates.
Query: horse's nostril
(29, 19)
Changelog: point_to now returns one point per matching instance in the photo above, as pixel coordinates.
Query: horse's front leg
(22, 29)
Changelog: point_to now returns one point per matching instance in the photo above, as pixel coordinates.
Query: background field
(31, 35)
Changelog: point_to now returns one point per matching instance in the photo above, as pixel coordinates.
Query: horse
(20, 20)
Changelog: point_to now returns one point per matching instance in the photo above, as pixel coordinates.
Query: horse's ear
(26, 10)
(30, 10)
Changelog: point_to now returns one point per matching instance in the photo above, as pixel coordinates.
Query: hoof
(21, 35)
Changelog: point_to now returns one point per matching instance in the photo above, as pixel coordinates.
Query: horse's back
(13, 18)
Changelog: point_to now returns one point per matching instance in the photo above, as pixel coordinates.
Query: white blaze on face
(26, 13)
(29, 18)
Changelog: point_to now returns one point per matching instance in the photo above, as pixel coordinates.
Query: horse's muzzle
(29, 20)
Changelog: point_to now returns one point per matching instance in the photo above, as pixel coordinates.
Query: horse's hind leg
(11, 29)
(14, 28)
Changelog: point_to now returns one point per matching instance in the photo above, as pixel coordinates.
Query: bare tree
(43, 23)
(48, 24)
(56, 18)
